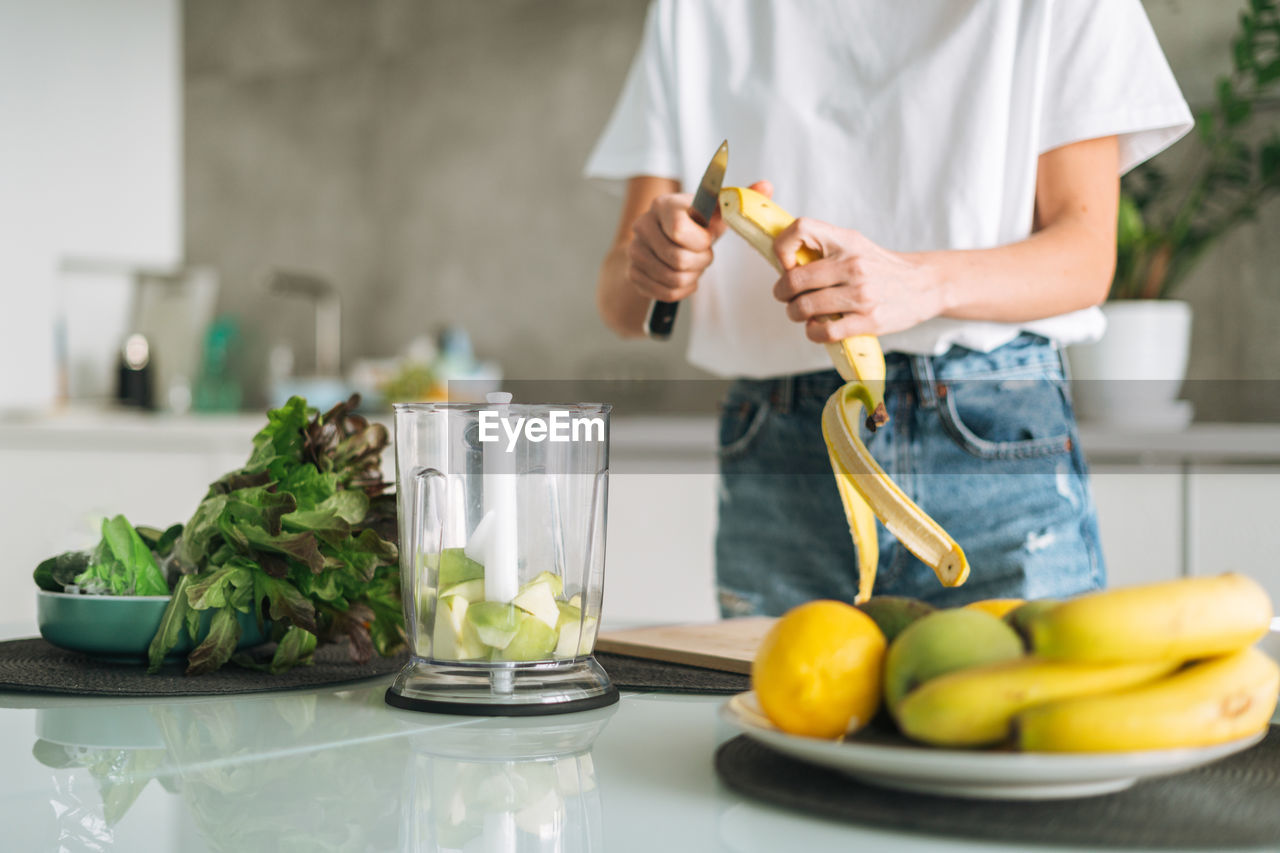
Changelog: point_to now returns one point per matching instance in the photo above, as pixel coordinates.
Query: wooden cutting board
(729, 645)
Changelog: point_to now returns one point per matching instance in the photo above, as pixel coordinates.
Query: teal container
(119, 628)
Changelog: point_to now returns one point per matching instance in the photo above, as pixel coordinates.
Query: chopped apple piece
(538, 599)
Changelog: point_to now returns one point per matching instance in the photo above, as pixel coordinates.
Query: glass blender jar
(502, 531)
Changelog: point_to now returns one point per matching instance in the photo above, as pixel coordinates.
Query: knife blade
(662, 315)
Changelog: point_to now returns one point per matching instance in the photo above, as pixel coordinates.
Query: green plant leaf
(302, 547)
(55, 573)
(282, 436)
(286, 603)
(201, 530)
(214, 588)
(1234, 108)
(295, 648)
(1269, 160)
(218, 646)
(171, 622)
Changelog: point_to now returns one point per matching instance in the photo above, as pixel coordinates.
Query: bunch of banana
(1224, 690)
(866, 491)
(1147, 667)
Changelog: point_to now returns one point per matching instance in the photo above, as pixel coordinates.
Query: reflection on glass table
(516, 785)
(316, 771)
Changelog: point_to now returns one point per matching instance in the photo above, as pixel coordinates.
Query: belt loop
(926, 385)
(784, 390)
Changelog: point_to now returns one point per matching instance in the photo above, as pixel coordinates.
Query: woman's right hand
(669, 250)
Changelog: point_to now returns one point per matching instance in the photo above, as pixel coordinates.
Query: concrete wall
(425, 155)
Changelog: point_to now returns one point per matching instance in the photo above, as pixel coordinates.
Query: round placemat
(642, 675)
(35, 666)
(1231, 803)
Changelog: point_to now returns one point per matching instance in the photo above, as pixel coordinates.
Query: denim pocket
(1007, 415)
(741, 420)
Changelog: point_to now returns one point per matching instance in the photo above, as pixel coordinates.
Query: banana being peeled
(755, 218)
(865, 489)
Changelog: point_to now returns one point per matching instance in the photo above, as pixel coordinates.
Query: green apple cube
(534, 640)
(576, 637)
(454, 637)
(587, 641)
(456, 567)
(472, 590)
(539, 600)
(568, 613)
(551, 579)
(576, 601)
(495, 622)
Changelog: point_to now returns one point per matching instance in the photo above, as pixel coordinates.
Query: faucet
(328, 308)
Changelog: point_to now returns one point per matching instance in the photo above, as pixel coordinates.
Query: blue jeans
(983, 442)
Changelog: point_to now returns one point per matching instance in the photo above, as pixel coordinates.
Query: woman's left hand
(872, 290)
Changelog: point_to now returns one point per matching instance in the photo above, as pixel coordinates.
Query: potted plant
(1166, 226)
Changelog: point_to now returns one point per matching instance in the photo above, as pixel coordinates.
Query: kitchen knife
(662, 315)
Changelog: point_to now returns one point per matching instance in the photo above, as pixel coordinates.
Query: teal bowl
(120, 627)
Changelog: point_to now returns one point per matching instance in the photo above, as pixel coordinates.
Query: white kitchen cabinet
(1140, 521)
(1235, 523)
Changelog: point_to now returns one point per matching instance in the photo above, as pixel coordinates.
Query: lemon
(997, 607)
(818, 670)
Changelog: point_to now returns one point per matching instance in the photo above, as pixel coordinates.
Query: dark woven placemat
(35, 666)
(643, 675)
(1231, 803)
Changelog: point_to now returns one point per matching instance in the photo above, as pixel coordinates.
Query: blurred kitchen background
(322, 194)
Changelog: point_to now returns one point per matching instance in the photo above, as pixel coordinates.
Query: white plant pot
(1132, 375)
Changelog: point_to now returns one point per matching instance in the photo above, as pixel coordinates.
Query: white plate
(986, 775)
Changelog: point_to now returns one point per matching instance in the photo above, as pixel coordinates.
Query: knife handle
(661, 320)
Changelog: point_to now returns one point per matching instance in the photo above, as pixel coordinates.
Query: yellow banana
(866, 491)
(1212, 701)
(1172, 620)
(758, 220)
(919, 533)
(976, 706)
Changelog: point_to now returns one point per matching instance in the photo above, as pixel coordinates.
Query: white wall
(90, 148)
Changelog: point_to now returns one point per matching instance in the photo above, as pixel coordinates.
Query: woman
(957, 164)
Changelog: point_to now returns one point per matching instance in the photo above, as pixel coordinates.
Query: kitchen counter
(337, 769)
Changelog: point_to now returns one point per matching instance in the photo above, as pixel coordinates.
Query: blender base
(448, 687)
(535, 709)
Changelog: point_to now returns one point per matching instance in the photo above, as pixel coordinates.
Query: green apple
(472, 590)
(495, 622)
(551, 579)
(534, 640)
(538, 599)
(568, 613)
(456, 567)
(454, 637)
(576, 601)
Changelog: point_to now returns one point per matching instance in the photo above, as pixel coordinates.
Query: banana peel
(913, 527)
(866, 491)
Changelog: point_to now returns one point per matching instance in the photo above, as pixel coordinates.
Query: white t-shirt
(919, 124)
